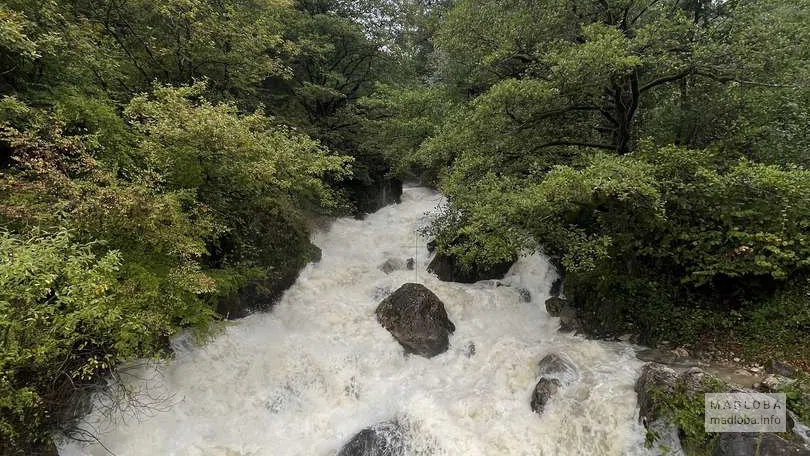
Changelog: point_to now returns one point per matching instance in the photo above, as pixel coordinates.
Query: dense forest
(162, 165)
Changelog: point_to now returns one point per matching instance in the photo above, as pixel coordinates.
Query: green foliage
(798, 396)
(691, 223)
(222, 156)
(67, 315)
(685, 408)
(132, 206)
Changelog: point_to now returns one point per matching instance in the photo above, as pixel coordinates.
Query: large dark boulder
(448, 269)
(384, 439)
(395, 264)
(417, 319)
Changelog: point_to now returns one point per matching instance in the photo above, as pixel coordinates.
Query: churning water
(304, 378)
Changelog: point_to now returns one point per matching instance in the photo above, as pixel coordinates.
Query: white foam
(304, 378)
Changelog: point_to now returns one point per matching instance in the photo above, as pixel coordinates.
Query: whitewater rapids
(303, 379)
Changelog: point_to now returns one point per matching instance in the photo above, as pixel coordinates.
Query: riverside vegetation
(161, 163)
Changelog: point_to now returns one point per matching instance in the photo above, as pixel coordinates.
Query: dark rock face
(569, 318)
(417, 319)
(555, 305)
(556, 287)
(384, 439)
(272, 238)
(751, 444)
(543, 391)
(431, 246)
(653, 377)
(448, 269)
(262, 294)
(372, 195)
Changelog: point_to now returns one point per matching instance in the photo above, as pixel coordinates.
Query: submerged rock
(392, 264)
(417, 319)
(555, 372)
(553, 365)
(448, 269)
(384, 439)
(525, 295)
(543, 391)
(373, 193)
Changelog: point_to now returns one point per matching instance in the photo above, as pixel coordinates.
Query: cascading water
(303, 379)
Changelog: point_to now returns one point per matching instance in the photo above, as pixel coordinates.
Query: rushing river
(304, 378)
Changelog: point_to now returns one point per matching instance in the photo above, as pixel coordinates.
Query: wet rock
(448, 269)
(800, 430)
(374, 191)
(417, 319)
(654, 377)
(752, 444)
(569, 318)
(262, 294)
(431, 246)
(680, 352)
(555, 372)
(555, 305)
(384, 439)
(554, 365)
(525, 295)
(543, 391)
(391, 265)
(627, 338)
